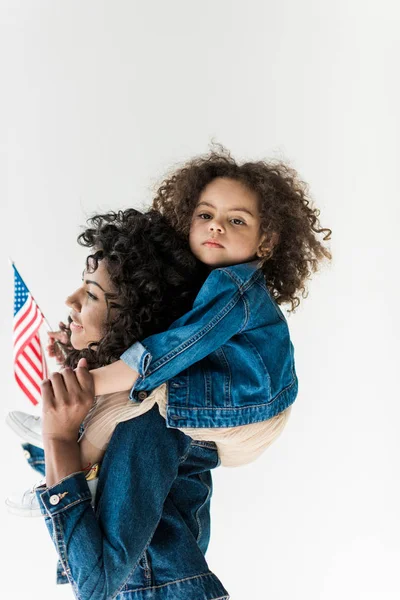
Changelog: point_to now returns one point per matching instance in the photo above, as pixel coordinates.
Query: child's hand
(53, 349)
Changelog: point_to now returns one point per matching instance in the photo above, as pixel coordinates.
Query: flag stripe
(28, 377)
(27, 362)
(28, 326)
(35, 350)
(19, 346)
(26, 391)
(29, 351)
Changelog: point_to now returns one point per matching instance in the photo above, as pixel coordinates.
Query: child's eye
(238, 222)
(204, 216)
(91, 296)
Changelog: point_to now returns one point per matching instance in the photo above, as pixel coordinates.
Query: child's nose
(216, 226)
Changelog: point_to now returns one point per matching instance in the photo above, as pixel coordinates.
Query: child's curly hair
(291, 249)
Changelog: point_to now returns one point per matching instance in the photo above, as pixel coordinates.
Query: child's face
(226, 225)
(89, 308)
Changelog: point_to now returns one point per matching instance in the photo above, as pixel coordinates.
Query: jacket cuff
(137, 357)
(68, 492)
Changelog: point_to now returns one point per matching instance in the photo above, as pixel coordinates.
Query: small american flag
(29, 361)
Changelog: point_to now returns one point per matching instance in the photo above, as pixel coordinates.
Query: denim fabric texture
(228, 362)
(35, 457)
(149, 531)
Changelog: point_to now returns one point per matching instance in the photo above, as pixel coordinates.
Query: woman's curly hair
(156, 277)
(291, 249)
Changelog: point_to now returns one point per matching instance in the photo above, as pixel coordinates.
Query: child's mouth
(212, 244)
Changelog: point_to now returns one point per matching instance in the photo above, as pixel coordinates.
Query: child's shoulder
(239, 274)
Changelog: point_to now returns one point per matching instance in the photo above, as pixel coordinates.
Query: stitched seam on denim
(120, 590)
(291, 350)
(244, 286)
(177, 351)
(255, 350)
(227, 388)
(58, 512)
(156, 587)
(243, 408)
(207, 382)
(147, 572)
(247, 313)
(201, 444)
(271, 301)
(200, 531)
(185, 456)
(238, 295)
(62, 553)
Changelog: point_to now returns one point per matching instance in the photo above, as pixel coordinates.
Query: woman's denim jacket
(148, 533)
(228, 362)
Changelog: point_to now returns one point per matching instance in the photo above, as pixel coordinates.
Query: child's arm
(219, 313)
(116, 377)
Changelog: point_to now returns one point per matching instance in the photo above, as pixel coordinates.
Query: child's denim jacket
(228, 362)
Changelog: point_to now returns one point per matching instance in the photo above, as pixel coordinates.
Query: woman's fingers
(71, 382)
(47, 393)
(59, 387)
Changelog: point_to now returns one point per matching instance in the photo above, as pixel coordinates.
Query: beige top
(236, 445)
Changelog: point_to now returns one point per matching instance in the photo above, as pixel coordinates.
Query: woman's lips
(75, 326)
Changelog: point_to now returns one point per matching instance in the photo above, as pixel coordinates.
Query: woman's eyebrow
(88, 281)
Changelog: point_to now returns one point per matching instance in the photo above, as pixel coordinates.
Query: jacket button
(54, 499)
(27, 454)
(142, 395)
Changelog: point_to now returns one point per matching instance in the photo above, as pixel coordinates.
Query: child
(228, 363)
(223, 372)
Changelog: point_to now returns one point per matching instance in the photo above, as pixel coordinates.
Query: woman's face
(89, 307)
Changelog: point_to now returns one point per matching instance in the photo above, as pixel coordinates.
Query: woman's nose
(72, 301)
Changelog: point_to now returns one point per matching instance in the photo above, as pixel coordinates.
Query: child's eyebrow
(241, 209)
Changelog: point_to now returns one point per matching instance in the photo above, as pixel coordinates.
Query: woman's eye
(91, 296)
(238, 222)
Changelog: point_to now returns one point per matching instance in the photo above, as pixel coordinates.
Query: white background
(98, 100)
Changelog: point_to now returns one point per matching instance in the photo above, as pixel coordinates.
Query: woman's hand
(67, 398)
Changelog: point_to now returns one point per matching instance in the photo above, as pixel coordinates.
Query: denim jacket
(149, 531)
(228, 362)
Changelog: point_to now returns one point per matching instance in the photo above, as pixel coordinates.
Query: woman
(147, 534)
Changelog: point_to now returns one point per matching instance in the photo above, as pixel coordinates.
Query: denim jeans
(148, 534)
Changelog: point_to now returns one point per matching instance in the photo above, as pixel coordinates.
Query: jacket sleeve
(219, 312)
(99, 551)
